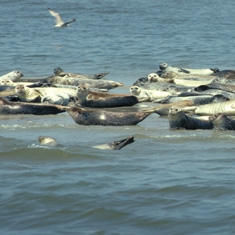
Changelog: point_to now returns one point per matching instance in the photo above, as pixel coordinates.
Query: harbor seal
(62, 99)
(59, 72)
(154, 77)
(48, 141)
(85, 116)
(88, 98)
(179, 120)
(116, 145)
(101, 84)
(222, 122)
(14, 76)
(7, 82)
(226, 107)
(8, 107)
(27, 94)
(166, 68)
(148, 95)
(163, 110)
(59, 22)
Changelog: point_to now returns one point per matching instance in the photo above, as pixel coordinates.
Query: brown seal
(85, 116)
(88, 98)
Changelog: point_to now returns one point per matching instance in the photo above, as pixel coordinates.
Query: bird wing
(58, 19)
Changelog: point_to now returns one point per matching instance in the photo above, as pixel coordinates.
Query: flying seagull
(59, 22)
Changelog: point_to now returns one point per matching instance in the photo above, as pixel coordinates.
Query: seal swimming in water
(59, 22)
(179, 120)
(48, 141)
(88, 98)
(85, 116)
(8, 107)
(59, 72)
(27, 94)
(222, 122)
(116, 145)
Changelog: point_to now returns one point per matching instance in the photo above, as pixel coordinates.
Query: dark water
(167, 182)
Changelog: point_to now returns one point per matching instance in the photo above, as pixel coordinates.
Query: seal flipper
(116, 145)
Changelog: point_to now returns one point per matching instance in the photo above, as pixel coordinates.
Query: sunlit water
(166, 182)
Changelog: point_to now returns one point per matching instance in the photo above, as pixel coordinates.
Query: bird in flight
(59, 22)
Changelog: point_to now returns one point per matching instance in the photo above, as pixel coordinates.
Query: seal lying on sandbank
(14, 76)
(166, 68)
(27, 94)
(85, 116)
(179, 120)
(222, 122)
(148, 95)
(7, 107)
(88, 98)
(59, 72)
(163, 110)
(226, 107)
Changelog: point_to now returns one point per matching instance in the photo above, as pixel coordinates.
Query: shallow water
(166, 182)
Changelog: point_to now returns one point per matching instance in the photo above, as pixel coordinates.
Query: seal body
(163, 110)
(179, 120)
(7, 107)
(101, 84)
(226, 107)
(13, 76)
(166, 68)
(84, 116)
(142, 93)
(27, 94)
(222, 122)
(59, 72)
(88, 98)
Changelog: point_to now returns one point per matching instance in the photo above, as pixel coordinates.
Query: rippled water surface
(166, 182)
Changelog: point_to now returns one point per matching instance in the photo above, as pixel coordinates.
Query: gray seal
(86, 116)
(8, 107)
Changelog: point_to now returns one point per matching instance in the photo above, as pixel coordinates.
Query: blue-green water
(166, 182)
